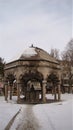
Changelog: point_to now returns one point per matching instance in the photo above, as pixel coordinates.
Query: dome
(34, 53)
(28, 53)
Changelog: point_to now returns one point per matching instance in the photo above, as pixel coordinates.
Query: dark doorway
(32, 87)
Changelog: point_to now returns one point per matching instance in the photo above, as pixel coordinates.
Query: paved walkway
(28, 121)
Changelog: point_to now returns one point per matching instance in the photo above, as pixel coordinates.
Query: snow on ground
(7, 111)
(53, 116)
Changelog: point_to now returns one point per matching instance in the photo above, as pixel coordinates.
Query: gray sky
(44, 23)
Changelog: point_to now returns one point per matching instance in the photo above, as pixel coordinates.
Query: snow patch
(29, 52)
(26, 53)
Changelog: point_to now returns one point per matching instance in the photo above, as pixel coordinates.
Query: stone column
(6, 91)
(18, 92)
(59, 93)
(11, 92)
(55, 93)
(44, 91)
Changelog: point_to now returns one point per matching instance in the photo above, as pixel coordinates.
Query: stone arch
(31, 75)
(10, 88)
(10, 78)
(27, 80)
(53, 77)
(52, 83)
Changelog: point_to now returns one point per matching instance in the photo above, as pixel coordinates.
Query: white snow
(7, 111)
(29, 52)
(53, 116)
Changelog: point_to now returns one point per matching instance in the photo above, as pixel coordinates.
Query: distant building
(66, 77)
(1, 86)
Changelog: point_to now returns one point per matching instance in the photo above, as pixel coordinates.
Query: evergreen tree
(2, 63)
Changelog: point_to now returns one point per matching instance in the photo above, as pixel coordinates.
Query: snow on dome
(29, 52)
(26, 53)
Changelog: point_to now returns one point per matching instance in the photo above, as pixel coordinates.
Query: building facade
(28, 75)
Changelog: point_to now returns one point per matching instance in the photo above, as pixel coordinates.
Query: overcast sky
(44, 23)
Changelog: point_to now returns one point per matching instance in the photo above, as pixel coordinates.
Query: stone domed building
(29, 73)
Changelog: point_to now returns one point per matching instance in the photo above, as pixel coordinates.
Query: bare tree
(68, 52)
(52, 78)
(2, 63)
(54, 53)
(67, 57)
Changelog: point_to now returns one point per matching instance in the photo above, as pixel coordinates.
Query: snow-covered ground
(7, 111)
(53, 116)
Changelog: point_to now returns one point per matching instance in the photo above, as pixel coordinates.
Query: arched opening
(31, 87)
(67, 84)
(10, 86)
(53, 85)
